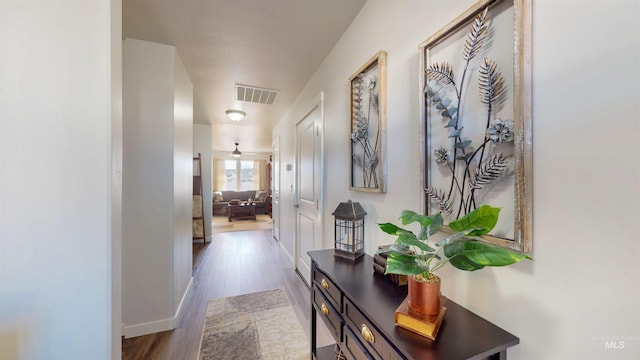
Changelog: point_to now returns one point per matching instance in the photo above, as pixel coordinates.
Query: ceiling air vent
(255, 94)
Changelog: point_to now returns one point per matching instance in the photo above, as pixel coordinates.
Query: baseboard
(151, 327)
(291, 260)
(131, 331)
(182, 301)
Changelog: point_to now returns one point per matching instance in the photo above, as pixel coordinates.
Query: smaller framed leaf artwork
(476, 148)
(368, 125)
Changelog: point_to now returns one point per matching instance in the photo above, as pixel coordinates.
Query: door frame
(275, 188)
(319, 235)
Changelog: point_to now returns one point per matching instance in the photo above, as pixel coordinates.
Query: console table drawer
(368, 334)
(328, 288)
(353, 347)
(329, 314)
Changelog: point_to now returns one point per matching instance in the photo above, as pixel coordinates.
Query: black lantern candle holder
(349, 230)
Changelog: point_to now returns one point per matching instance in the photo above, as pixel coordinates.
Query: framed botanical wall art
(368, 125)
(476, 148)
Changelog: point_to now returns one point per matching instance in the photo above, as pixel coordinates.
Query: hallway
(233, 263)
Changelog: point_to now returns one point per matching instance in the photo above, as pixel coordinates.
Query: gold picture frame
(368, 108)
(452, 154)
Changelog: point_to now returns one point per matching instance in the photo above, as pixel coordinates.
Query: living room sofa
(221, 200)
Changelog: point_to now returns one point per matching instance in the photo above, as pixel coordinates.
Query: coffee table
(242, 212)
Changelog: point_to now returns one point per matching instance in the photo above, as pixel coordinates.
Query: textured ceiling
(276, 44)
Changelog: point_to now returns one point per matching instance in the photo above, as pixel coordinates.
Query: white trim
(289, 257)
(321, 127)
(151, 327)
(182, 302)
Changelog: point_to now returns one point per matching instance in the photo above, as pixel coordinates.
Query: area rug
(221, 224)
(260, 325)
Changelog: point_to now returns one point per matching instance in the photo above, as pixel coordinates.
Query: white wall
(116, 179)
(582, 290)
(182, 183)
(157, 170)
(55, 174)
(202, 144)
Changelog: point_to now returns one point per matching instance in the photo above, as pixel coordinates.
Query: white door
(308, 188)
(275, 194)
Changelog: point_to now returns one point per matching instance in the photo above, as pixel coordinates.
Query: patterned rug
(221, 224)
(261, 325)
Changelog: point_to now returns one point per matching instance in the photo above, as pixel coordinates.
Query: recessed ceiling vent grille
(255, 94)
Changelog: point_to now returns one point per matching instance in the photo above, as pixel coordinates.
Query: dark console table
(357, 306)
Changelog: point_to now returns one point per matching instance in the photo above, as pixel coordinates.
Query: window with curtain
(239, 175)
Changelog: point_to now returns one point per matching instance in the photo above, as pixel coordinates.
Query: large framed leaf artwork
(368, 125)
(476, 148)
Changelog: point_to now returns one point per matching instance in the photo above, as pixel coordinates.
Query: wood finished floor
(233, 263)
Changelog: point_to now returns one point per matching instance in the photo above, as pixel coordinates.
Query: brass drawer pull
(325, 284)
(325, 309)
(367, 334)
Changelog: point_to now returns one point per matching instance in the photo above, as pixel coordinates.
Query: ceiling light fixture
(236, 115)
(236, 153)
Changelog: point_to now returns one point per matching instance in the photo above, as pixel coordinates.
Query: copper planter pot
(424, 297)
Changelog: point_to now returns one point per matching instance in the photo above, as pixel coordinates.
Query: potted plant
(412, 254)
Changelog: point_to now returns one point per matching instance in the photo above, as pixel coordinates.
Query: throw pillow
(261, 195)
(217, 196)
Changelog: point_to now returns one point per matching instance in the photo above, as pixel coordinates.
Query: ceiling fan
(236, 153)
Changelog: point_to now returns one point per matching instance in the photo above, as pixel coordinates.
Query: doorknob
(296, 206)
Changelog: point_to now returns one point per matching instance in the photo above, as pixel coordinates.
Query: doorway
(275, 191)
(309, 187)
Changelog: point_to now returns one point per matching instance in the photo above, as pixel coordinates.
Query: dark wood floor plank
(232, 264)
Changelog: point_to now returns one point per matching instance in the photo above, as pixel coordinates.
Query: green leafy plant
(412, 254)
